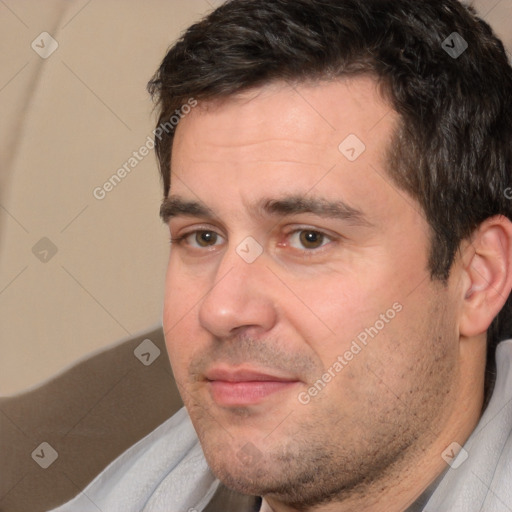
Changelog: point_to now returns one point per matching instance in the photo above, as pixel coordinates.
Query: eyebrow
(294, 205)
(175, 206)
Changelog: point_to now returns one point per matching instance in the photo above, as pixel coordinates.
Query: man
(337, 191)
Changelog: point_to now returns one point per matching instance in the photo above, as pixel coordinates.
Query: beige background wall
(67, 123)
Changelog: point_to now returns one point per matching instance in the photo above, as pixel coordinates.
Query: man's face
(310, 346)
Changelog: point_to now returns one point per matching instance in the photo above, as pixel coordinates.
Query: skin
(372, 438)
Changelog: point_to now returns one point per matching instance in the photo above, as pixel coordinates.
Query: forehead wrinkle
(269, 151)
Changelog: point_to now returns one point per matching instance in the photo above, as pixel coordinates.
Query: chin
(237, 470)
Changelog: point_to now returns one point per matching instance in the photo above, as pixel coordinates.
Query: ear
(487, 262)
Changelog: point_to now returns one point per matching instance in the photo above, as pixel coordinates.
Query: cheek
(332, 310)
(182, 292)
(352, 324)
(180, 319)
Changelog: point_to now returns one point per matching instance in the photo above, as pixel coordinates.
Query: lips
(242, 387)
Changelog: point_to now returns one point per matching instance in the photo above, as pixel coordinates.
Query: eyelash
(175, 240)
(180, 239)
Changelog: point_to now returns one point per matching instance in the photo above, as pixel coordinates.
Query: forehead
(288, 118)
(326, 137)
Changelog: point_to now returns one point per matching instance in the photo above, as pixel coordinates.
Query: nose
(239, 299)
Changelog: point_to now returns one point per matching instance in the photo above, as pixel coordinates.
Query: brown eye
(311, 239)
(308, 239)
(206, 238)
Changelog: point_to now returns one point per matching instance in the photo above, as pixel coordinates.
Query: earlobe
(488, 275)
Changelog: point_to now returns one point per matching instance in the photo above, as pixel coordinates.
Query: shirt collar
(417, 506)
(265, 507)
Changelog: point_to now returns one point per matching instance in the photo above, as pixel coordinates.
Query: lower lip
(245, 393)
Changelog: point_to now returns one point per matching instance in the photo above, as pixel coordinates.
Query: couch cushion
(87, 415)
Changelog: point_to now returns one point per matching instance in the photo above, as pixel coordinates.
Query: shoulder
(166, 468)
(481, 476)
